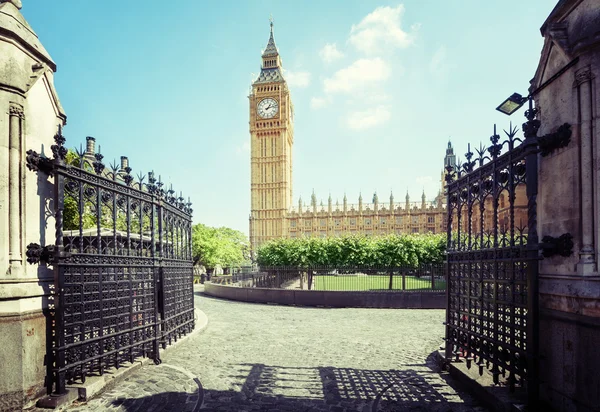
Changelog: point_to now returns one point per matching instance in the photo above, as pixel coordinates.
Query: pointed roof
(13, 22)
(271, 49)
(270, 74)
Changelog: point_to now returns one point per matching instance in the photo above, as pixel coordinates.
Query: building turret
(423, 200)
(449, 161)
(391, 202)
(360, 203)
(450, 158)
(300, 205)
(407, 206)
(313, 201)
(375, 202)
(329, 204)
(345, 203)
(90, 147)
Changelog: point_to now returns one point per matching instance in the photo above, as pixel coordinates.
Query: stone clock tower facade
(272, 138)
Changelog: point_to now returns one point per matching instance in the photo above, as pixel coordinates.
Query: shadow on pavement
(333, 389)
(259, 387)
(165, 401)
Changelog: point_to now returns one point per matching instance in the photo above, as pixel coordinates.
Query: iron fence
(492, 258)
(122, 263)
(422, 278)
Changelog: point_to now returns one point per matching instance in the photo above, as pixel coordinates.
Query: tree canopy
(388, 250)
(219, 246)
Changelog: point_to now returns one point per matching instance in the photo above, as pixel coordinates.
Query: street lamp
(512, 104)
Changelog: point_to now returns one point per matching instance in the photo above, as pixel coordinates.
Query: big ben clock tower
(272, 137)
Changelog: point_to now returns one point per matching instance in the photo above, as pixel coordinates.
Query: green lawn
(373, 282)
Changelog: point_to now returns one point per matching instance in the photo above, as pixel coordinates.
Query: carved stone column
(587, 258)
(14, 193)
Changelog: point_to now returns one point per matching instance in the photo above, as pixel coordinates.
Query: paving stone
(254, 357)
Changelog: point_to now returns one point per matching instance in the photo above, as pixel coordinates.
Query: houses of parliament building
(274, 214)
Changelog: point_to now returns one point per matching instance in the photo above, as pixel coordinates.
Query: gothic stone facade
(30, 113)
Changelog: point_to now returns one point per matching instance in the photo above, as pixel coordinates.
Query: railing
(423, 278)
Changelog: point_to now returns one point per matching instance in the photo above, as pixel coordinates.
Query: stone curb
(96, 384)
(497, 398)
(335, 299)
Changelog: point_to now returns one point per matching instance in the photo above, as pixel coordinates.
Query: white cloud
(297, 79)
(380, 30)
(439, 66)
(319, 102)
(330, 53)
(243, 148)
(359, 74)
(369, 118)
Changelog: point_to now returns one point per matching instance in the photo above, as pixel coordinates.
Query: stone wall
(331, 299)
(30, 113)
(568, 202)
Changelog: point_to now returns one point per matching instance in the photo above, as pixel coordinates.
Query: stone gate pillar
(569, 202)
(30, 113)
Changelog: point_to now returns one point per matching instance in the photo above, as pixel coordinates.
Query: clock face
(267, 108)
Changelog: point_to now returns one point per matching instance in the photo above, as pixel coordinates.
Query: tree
(384, 251)
(219, 246)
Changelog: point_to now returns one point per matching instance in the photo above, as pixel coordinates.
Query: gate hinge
(37, 163)
(562, 245)
(552, 141)
(36, 254)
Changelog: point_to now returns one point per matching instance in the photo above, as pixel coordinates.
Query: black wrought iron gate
(493, 258)
(122, 262)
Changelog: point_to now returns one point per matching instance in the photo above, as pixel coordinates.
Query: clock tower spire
(271, 141)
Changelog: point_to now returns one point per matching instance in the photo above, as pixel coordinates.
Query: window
(399, 219)
(415, 219)
(292, 223)
(352, 222)
(415, 230)
(307, 223)
(323, 234)
(293, 234)
(367, 221)
(337, 222)
(323, 223)
(382, 220)
(430, 219)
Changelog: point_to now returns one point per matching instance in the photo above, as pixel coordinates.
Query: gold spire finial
(271, 21)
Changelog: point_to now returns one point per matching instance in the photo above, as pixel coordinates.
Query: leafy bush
(389, 250)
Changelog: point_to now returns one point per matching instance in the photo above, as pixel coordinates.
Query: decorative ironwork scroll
(493, 257)
(122, 261)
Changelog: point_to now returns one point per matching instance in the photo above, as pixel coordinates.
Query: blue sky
(378, 87)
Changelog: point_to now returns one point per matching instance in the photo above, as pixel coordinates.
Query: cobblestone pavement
(254, 357)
